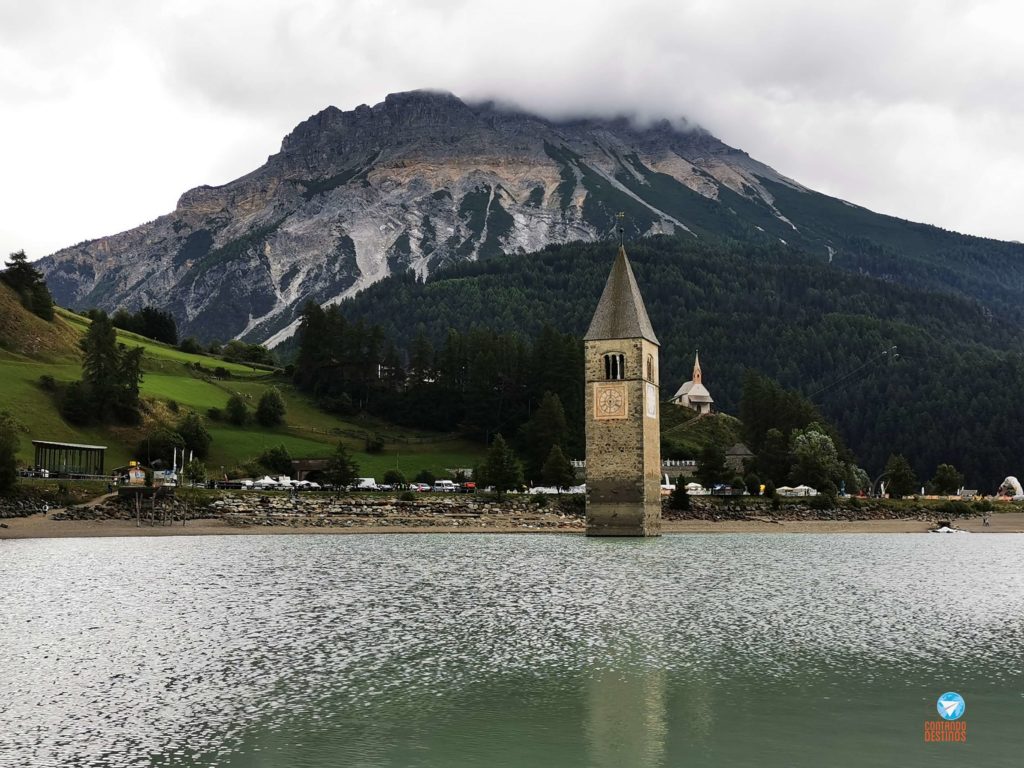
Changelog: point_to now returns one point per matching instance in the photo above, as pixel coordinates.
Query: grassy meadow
(31, 348)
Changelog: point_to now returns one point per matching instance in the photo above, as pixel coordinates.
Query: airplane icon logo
(951, 706)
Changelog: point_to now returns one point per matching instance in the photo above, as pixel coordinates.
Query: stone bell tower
(622, 416)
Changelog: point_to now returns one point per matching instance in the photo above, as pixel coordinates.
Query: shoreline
(40, 527)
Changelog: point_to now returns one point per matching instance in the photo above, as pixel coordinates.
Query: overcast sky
(110, 109)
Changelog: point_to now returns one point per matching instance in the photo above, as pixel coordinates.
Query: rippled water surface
(438, 650)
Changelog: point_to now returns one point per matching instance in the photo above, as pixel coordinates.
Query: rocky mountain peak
(417, 181)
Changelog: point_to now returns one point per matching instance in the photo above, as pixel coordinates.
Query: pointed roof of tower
(621, 313)
(696, 365)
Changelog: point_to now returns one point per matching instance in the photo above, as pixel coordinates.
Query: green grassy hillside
(685, 434)
(31, 348)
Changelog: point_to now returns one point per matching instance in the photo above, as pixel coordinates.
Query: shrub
(159, 445)
(221, 372)
(407, 496)
(277, 460)
(954, 509)
(821, 502)
(47, 383)
(540, 499)
(237, 411)
(374, 444)
(679, 499)
(425, 476)
(214, 414)
(573, 503)
(172, 406)
(394, 477)
(191, 346)
(341, 404)
(270, 410)
(195, 435)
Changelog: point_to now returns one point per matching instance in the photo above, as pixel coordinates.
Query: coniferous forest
(934, 376)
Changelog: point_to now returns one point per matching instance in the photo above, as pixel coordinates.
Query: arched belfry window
(650, 367)
(615, 366)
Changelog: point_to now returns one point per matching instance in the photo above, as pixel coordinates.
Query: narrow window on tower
(650, 367)
(614, 366)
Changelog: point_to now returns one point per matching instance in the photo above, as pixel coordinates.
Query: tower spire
(621, 313)
(696, 368)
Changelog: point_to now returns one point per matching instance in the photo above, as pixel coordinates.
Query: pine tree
(545, 429)
(342, 469)
(679, 499)
(28, 283)
(501, 468)
(111, 374)
(947, 480)
(101, 364)
(900, 478)
(711, 467)
(9, 444)
(558, 470)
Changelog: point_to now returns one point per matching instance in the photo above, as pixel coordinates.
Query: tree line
(480, 383)
(949, 396)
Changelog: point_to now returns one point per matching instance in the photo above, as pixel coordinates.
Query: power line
(890, 352)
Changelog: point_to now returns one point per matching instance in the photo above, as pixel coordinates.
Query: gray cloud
(913, 109)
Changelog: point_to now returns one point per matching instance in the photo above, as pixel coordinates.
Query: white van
(365, 484)
(444, 486)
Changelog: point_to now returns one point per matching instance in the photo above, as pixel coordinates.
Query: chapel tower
(622, 416)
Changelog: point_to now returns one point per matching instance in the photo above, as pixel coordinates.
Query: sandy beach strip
(38, 527)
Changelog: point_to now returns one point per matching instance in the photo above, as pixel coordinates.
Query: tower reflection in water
(627, 717)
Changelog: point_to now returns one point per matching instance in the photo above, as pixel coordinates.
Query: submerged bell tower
(622, 412)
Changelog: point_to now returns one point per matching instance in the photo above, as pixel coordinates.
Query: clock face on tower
(609, 401)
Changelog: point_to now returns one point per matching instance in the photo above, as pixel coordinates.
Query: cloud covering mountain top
(115, 107)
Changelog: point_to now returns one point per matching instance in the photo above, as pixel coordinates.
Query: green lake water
(464, 650)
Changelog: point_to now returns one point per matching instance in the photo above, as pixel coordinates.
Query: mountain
(424, 180)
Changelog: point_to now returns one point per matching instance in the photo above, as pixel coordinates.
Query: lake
(509, 650)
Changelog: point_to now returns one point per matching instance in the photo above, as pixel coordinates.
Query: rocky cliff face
(418, 181)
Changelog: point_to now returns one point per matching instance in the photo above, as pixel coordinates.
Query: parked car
(467, 488)
(444, 486)
(420, 487)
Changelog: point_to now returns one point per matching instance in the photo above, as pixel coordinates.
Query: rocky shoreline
(518, 512)
(790, 510)
(322, 511)
(12, 508)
